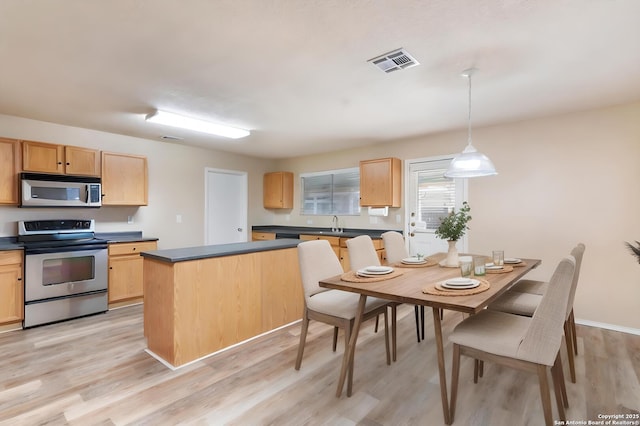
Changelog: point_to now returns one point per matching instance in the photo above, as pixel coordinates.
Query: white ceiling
(295, 72)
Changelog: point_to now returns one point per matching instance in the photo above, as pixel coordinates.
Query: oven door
(59, 272)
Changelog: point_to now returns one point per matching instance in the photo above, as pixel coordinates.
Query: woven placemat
(351, 277)
(438, 290)
(504, 270)
(420, 265)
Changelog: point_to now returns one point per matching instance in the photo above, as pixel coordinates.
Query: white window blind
(436, 197)
(331, 193)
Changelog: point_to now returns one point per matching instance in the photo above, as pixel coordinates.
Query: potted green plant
(452, 228)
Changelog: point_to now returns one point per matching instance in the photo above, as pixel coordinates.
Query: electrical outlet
(309, 222)
(398, 218)
(129, 220)
(178, 218)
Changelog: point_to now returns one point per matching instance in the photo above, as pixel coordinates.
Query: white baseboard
(608, 326)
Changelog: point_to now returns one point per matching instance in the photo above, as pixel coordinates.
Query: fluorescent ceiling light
(175, 120)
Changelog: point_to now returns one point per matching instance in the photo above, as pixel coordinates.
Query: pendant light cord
(469, 120)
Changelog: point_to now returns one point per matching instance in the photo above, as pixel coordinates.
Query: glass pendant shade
(470, 163)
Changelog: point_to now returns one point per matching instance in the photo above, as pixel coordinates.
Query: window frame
(355, 196)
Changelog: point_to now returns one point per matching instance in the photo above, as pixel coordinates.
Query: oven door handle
(65, 249)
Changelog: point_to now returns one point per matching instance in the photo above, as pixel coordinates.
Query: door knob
(239, 229)
(412, 234)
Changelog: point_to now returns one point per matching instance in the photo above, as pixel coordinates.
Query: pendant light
(470, 163)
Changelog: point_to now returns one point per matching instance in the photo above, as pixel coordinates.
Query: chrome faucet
(334, 224)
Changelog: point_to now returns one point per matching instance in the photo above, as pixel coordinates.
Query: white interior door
(430, 196)
(225, 206)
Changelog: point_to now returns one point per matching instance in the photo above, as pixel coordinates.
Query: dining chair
(362, 253)
(525, 296)
(317, 260)
(530, 344)
(395, 251)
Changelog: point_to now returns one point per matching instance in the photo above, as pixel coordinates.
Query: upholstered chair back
(541, 342)
(577, 253)
(317, 261)
(362, 252)
(394, 247)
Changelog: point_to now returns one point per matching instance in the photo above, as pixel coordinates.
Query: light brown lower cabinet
(126, 270)
(11, 287)
(262, 236)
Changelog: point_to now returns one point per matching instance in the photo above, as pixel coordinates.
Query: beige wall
(176, 184)
(561, 180)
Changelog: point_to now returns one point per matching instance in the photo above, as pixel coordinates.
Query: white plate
(378, 269)
(414, 260)
(373, 273)
(461, 287)
(493, 267)
(360, 273)
(512, 260)
(460, 281)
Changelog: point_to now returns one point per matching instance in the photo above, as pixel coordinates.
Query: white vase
(452, 260)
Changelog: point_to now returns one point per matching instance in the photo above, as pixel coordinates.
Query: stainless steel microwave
(45, 190)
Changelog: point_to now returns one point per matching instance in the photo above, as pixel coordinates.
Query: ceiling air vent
(399, 59)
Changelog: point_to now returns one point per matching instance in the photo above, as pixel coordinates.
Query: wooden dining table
(408, 288)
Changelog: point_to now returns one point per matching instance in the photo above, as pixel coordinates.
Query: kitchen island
(200, 300)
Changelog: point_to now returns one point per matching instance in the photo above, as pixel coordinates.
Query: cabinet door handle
(19, 278)
(68, 164)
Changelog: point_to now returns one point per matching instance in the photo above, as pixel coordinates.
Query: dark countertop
(11, 243)
(220, 250)
(347, 232)
(124, 237)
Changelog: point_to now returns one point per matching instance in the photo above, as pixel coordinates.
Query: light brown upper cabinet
(278, 190)
(10, 155)
(124, 179)
(51, 158)
(380, 182)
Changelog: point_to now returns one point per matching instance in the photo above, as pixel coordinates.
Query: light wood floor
(94, 371)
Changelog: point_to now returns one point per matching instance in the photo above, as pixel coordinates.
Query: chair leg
(415, 308)
(386, 336)
(573, 332)
(476, 364)
(545, 395)
(481, 368)
(422, 321)
(569, 343)
(303, 339)
(558, 387)
(455, 375)
(335, 338)
(563, 387)
(394, 317)
(375, 330)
